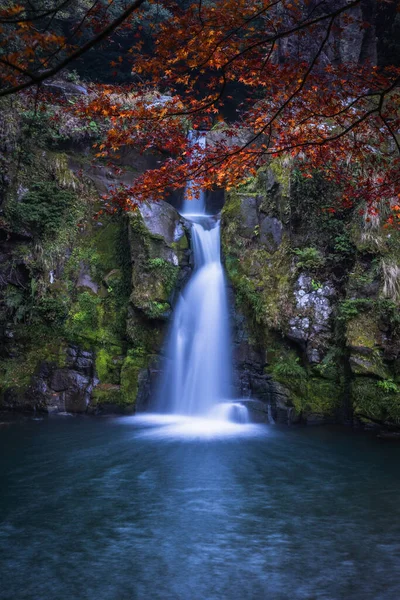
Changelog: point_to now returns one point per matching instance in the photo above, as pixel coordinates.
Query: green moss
(139, 232)
(181, 245)
(165, 272)
(53, 308)
(308, 258)
(107, 393)
(17, 372)
(370, 364)
(231, 209)
(103, 364)
(323, 396)
(331, 366)
(288, 366)
(350, 308)
(282, 169)
(105, 242)
(263, 283)
(60, 313)
(44, 210)
(308, 394)
(153, 284)
(133, 364)
(157, 310)
(84, 316)
(372, 401)
(123, 395)
(362, 330)
(144, 334)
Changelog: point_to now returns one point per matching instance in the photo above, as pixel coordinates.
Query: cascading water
(194, 204)
(198, 352)
(197, 380)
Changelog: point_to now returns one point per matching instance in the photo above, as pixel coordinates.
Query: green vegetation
(322, 243)
(289, 368)
(343, 245)
(376, 400)
(308, 258)
(388, 386)
(44, 210)
(350, 308)
(114, 281)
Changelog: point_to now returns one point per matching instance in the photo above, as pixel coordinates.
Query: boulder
(248, 220)
(271, 233)
(161, 219)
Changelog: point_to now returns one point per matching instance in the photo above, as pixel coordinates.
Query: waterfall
(197, 375)
(195, 205)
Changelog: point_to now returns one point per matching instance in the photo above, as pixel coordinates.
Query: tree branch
(78, 53)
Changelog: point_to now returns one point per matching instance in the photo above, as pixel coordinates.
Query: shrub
(289, 368)
(308, 258)
(16, 303)
(52, 310)
(348, 309)
(389, 313)
(343, 245)
(84, 315)
(388, 386)
(44, 210)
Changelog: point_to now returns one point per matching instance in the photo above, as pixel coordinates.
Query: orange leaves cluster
(342, 119)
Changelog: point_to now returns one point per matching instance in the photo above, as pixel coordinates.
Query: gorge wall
(84, 303)
(317, 293)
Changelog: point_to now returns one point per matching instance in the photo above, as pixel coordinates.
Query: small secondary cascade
(195, 205)
(197, 379)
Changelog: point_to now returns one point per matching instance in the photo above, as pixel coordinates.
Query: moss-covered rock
(160, 263)
(261, 274)
(319, 293)
(132, 367)
(376, 400)
(92, 291)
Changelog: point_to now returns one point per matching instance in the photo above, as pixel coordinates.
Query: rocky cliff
(83, 301)
(317, 292)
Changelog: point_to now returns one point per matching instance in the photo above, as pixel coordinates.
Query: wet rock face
(54, 389)
(254, 223)
(248, 361)
(311, 325)
(161, 219)
(351, 42)
(161, 265)
(160, 260)
(271, 232)
(316, 333)
(267, 400)
(118, 369)
(248, 219)
(65, 89)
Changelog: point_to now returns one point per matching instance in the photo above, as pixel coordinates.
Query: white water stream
(194, 204)
(197, 379)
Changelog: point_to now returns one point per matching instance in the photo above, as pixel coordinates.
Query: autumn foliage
(297, 97)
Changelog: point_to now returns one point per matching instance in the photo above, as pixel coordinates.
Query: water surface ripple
(132, 509)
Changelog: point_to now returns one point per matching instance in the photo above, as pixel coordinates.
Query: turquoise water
(129, 509)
